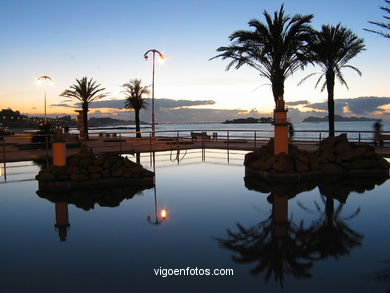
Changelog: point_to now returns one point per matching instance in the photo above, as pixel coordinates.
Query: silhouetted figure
(66, 129)
(290, 131)
(377, 133)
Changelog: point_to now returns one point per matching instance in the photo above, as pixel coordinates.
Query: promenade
(19, 148)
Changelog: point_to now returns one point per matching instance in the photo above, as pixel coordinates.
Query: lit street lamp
(154, 51)
(45, 78)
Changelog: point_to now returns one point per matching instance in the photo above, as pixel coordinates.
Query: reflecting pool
(202, 214)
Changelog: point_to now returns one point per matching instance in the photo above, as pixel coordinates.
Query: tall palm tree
(135, 99)
(383, 25)
(276, 49)
(85, 91)
(332, 48)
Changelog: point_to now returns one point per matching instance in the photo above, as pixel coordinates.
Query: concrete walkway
(18, 148)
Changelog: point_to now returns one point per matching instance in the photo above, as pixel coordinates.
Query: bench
(383, 137)
(201, 135)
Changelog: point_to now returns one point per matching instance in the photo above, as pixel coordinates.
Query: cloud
(296, 103)
(356, 106)
(159, 103)
(175, 104)
(169, 110)
(64, 105)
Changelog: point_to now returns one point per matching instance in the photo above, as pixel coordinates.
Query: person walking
(377, 133)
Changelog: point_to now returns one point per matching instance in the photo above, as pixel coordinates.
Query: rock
(341, 147)
(59, 169)
(95, 176)
(137, 170)
(382, 163)
(328, 156)
(94, 169)
(283, 163)
(263, 165)
(83, 171)
(128, 163)
(106, 173)
(331, 168)
(364, 164)
(106, 164)
(45, 176)
(99, 161)
(148, 173)
(62, 177)
(127, 173)
(74, 161)
(78, 177)
(314, 164)
(117, 172)
(72, 170)
(347, 156)
(117, 165)
(301, 166)
(85, 162)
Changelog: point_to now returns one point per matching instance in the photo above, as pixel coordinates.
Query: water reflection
(279, 247)
(86, 200)
(62, 220)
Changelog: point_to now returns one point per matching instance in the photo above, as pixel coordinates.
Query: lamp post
(154, 51)
(45, 78)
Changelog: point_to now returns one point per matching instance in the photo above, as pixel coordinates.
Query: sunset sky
(106, 40)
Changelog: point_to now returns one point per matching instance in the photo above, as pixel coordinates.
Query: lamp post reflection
(159, 215)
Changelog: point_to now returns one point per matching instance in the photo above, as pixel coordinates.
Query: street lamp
(154, 51)
(45, 79)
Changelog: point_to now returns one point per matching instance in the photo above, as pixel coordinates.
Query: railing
(12, 147)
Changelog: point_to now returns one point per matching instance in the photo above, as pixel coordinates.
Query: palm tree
(332, 48)
(85, 91)
(135, 93)
(276, 49)
(382, 25)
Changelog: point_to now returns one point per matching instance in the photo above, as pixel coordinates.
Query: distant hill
(336, 118)
(249, 120)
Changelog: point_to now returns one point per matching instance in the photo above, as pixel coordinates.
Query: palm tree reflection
(280, 247)
(276, 244)
(330, 236)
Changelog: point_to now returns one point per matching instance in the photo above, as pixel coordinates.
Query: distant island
(249, 120)
(336, 118)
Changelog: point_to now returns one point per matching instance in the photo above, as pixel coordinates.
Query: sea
(310, 131)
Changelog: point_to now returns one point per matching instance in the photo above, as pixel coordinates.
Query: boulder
(283, 163)
(301, 166)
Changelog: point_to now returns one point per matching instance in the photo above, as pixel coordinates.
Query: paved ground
(19, 147)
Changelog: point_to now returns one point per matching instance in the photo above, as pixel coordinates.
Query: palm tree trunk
(277, 88)
(137, 126)
(330, 89)
(85, 120)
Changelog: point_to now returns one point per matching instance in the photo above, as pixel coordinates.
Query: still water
(216, 220)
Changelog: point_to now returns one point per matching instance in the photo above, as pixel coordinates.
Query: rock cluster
(87, 198)
(85, 167)
(336, 155)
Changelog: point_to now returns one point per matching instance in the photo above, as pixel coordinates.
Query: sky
(106, 40)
